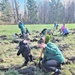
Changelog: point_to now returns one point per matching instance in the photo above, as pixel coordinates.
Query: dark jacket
(24, 49)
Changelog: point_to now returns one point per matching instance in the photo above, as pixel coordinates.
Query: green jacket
(22, 27)
(52, 52)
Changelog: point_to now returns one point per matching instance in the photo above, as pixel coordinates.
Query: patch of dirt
(3, 37)
(1, 60)
(63, 47)
(72, 59)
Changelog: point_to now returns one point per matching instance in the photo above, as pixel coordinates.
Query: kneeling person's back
(52, 52)
(65, 32)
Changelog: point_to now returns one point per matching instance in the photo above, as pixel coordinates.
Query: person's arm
(42, 48)
(20, 51)
(41, 54)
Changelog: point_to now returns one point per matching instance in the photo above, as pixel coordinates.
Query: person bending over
(52, 58)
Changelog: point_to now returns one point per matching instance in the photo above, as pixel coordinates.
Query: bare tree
(17, 9)
(25, 18)
(43, 12)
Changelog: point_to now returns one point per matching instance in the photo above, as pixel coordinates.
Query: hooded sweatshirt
(52, 52)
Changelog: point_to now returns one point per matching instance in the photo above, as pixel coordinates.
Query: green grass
(11, 29)
(8, 51)
(8, 29)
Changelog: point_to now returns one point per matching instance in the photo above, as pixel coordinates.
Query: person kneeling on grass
(24, 49)
(53, 57)
(27, 31)
(65, 32)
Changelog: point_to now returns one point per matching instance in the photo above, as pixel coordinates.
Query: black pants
(51, 65)
(66, 34)
(27, 59)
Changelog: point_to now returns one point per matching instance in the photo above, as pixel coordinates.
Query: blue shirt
(65, 31)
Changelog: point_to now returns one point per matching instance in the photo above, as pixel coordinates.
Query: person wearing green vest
(52, 58)
(22, 28)
(43, 32)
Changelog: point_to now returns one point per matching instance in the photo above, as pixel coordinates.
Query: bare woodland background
(41, 12)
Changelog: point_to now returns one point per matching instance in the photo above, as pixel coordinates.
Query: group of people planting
(52, 58)
(64, 31)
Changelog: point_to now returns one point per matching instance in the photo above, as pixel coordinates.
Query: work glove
(18, 54)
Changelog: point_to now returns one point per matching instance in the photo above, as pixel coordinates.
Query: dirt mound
(63, 47)
(3, 37)
(1, 60)
(28, 71)
(72, 59)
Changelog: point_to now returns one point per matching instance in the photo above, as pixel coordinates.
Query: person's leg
(26, 61)
(66, 34)
(51, 65)
(30, 57)
(23, 34)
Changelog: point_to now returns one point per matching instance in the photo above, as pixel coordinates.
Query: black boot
(25, 63)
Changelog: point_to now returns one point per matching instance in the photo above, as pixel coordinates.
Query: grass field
(11, 29)
(8, 51)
